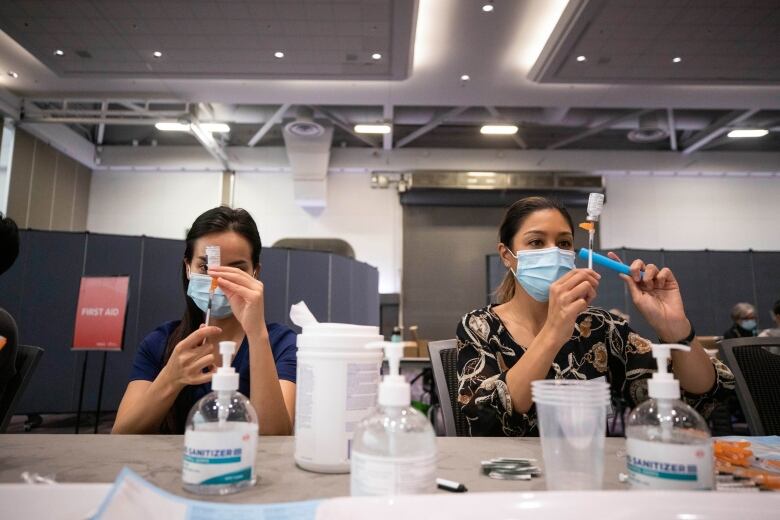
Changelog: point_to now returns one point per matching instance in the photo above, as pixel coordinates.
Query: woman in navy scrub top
(174, 364)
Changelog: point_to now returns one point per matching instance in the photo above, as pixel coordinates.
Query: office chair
(27, 358)
(445, 375)
(755, 363)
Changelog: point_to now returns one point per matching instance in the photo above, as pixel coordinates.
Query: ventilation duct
(308, 145)
(484, 188)
(652, 128)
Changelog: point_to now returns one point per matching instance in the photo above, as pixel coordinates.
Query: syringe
(212, 259)
(595, 206)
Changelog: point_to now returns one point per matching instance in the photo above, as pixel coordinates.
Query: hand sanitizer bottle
(668, 443)
(220, 440)
(394, 448)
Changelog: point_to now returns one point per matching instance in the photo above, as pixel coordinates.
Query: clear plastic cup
(572, 425)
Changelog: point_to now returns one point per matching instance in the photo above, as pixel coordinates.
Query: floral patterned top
(601, 345)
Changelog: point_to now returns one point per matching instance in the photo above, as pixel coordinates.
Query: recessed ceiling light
(59, 52)
(481, 174)
(13, 74)
(487, 8)
(748, 132)
(676, 59)
(157, 54)
(172, 126)
(376, 56)
(279, 55)
(219, 128)
(581, 58)
(465, 77)
(373, 129)
(498, 129)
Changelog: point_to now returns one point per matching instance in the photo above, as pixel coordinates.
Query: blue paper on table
(134, 497)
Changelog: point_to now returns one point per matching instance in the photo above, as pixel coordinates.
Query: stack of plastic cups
(572, 424)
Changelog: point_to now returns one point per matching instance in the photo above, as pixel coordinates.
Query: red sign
(100, 314)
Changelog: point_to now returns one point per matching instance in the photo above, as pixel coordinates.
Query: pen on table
(450, 485)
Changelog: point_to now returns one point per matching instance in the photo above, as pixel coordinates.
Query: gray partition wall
(41, 292)
(711, 283)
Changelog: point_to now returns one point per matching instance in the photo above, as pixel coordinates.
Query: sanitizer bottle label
(373, 475)
(656, 465)
(221, 457)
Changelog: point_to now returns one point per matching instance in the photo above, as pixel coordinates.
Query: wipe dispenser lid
(393, 390)
(226, 378)
(663, 385)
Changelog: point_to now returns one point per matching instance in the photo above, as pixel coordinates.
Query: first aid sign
(100, 314)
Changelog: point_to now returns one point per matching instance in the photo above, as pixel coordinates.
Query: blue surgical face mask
(748, 324)
(537, 269)
(198, 290)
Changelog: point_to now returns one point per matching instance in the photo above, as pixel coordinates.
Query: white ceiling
(210, 39)
(636, 41)
(452, 37)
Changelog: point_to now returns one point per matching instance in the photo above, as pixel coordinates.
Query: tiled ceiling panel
(217, 39)
(637, 41)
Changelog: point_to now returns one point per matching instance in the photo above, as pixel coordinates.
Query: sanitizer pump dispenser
(394, 449)
(668, 443)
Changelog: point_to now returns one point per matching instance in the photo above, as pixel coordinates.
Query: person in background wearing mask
(9, 251)
(174, 364)
(744, 317)
(775, 332)
(545, 328)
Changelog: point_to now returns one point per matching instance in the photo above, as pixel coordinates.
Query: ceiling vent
(304, 124)
(651, 129)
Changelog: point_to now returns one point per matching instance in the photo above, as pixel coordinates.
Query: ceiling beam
(519, 141)
(388, 113)
(672, 128)
(716, 129)
(215, 149)
(430, 125)
(273, 120)
(102, 126)
(64, 139)
(609, 123)
(339, 122)
(360, 159)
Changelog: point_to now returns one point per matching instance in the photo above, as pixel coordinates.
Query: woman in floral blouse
(545, 328)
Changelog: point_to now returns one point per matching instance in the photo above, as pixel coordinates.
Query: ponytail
(506, 289)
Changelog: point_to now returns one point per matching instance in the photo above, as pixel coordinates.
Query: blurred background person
(775, 331)
(744, 317)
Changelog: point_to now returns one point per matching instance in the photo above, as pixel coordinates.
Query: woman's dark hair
(9, 238)
(513, 221)
(217, 220)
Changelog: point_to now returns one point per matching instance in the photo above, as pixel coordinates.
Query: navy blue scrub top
(148, 360)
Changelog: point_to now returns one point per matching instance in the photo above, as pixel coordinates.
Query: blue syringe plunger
(605, 262)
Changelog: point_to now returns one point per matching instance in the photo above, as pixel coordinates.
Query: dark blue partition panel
(273, 273)
(12, 281)
(612, 290)
(52, 275)
(341, 304)
(162, 295)
(692, 273)
(731, 279)
(365, 294)
(495, 274)
(112, 255)
(766, 269)
(638, 322)
(309, 282)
